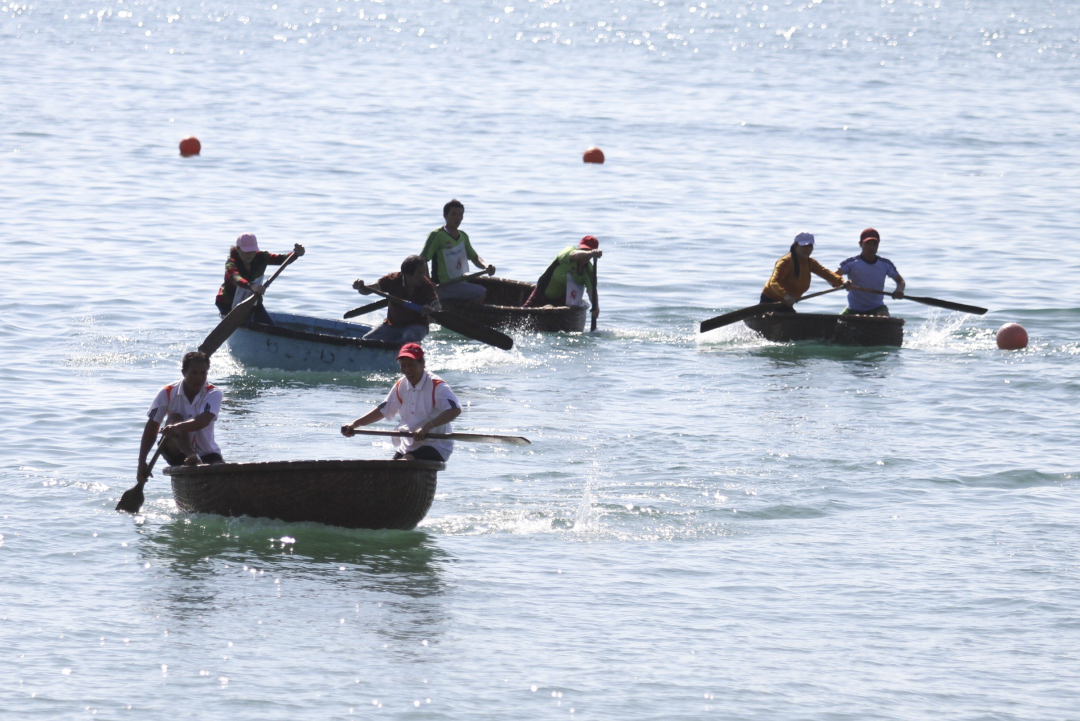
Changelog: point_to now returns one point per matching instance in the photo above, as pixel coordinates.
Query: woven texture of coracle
(353, 494)
(503, 308)
(843, 329)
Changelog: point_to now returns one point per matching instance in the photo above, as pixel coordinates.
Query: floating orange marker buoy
(593, 155)
(190, 146)
(1012, 336)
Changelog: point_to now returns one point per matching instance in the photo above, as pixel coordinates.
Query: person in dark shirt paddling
(245, 266)
(403, 325)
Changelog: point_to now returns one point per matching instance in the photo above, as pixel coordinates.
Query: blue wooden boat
(305, 343)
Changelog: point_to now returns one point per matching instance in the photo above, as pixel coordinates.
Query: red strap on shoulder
(435, 384)
(397, 391)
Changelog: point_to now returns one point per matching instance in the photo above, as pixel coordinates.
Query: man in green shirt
(568, 276)
(449, 251)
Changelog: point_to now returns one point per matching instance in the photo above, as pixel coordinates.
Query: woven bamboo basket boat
(864, 330)
(503, 308)
(353, 494)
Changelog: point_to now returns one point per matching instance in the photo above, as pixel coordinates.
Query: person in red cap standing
(245, 266)
(869, 270)
(565, 280)
(423, 402)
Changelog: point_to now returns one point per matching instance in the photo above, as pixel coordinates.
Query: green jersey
(566, 268)
(449, 256)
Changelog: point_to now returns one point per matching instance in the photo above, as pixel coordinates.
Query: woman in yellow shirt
(791, 274)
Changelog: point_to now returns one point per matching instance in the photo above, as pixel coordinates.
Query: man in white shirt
(189, 408)
(425, 405)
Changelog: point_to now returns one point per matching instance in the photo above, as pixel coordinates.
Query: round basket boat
(503, 308)
(864, 330)
(353, 494)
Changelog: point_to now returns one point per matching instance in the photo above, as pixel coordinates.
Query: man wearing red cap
(869, 270)
(565, 280)
(424, 403)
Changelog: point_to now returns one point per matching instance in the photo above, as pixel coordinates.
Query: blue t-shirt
(867, 275)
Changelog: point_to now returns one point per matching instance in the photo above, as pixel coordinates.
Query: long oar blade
(472, 329)
(237, 315)
(466, 437)
(937, 302)
(973, 309)
(369, 308)
(236, 318)
(736, 315)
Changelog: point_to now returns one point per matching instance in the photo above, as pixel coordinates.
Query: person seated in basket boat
(244, 269)
(869, 270)
(189, 408)
(565, 280)
(450, 251)
(425, 405)
(403, 325)
(791, 275)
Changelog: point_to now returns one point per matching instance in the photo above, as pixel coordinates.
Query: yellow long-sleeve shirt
(784, 280)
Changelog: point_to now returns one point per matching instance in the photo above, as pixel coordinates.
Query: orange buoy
(190, 146)
(593, 155)
(1012, 336)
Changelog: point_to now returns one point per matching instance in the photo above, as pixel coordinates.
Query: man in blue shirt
(869, 270)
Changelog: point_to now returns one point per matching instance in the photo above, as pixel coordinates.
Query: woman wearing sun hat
(568, 276)
(246, 264)
(791, 274)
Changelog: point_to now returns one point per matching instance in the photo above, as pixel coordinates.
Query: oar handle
(596, 294)
(464, 278)
(475, 437)
(871, 290)
(393, 299)
(292, 256)
(820, 292)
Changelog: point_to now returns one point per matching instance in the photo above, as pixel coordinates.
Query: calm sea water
(705, 526)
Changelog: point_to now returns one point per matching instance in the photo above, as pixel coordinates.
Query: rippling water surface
(704, 526)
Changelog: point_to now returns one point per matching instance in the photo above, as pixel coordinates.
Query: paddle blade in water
(736, 315)
(472, 329)
(132, 499)
(228, 325)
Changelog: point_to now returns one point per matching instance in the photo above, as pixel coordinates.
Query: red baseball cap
(589, 242)
(869, 233)
(411, 350)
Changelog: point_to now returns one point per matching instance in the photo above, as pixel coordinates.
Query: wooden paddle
(133, 498)
(380, 304)
(596, 293)
(238, 315)
(456, 323)
(974, 309)
(760, 309)
(468, 437)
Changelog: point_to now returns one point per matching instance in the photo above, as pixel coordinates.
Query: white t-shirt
(416, 406)
(172, 399)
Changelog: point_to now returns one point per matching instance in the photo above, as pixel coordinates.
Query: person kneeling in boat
(404, 325)
(244, 269)
(568, 276)
(425, 405)
(869, 270)
(791, 275)
(189, 408)
(450, 251)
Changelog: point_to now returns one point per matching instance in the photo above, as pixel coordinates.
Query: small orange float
(1012, 336)
(593, 155)
(190, 146)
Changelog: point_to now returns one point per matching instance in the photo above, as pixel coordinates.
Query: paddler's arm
(440, 420)
(900, 286)
(834, 279)
(476, 259)
(195, 424)
(773, 288)
(349, 429)
(150, 431)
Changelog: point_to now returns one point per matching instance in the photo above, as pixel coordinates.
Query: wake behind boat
(855, 330)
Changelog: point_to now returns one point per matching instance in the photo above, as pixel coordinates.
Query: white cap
(805, 238)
